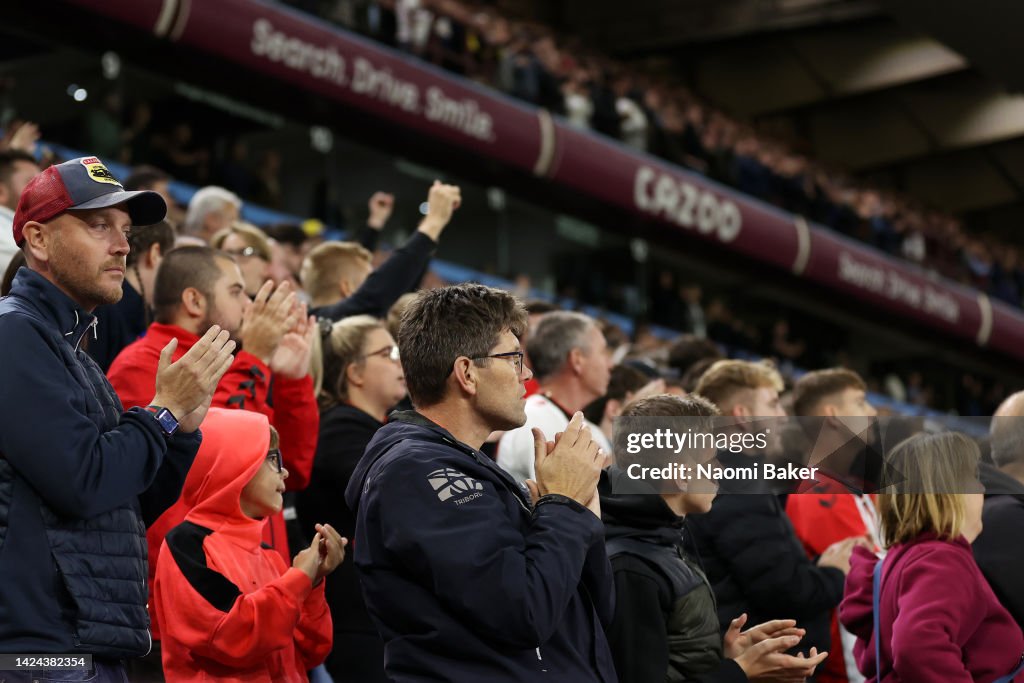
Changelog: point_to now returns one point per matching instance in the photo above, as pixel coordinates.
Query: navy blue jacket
(79, 482)
(464, 580)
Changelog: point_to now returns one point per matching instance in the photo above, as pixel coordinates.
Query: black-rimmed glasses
(515, 356)
(274, 458)
(390, 352)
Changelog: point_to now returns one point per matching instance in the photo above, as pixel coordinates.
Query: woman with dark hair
(362, 379)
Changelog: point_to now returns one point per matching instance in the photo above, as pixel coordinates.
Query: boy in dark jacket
(666, 625)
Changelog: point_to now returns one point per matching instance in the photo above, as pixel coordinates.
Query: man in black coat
(998, 549)
(751, 555)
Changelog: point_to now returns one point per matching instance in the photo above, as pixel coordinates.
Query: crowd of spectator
(202, 414)
(673, 301)
(655, 114)
(485, 447)
(527, 60)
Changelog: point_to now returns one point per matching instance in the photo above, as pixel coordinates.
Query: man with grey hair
(998, 550)
(211, 209)
(571, 363)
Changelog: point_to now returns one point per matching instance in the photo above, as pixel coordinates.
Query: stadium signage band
(403, 92)
(363, 77)
(686, 204)
(894, 285)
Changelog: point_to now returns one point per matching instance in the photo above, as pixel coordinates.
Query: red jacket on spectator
(939, 619)
(245, 385)
(819, 520)
(230, 610)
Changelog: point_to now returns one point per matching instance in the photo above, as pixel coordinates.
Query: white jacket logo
(449, 483)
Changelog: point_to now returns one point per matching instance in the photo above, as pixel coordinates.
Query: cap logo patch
(98, 172)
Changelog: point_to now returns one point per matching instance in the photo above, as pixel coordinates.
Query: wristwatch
(165, 418)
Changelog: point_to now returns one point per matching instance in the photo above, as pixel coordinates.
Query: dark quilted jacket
(79, 481)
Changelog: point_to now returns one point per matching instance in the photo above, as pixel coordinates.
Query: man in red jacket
(196, 288)
(827, 511)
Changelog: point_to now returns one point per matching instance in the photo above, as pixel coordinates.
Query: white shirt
(515, 449)
(7, 246)
(578, 109)
(634, 123)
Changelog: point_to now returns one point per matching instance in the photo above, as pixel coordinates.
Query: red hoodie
(229, 609)
(245, 385)
(940, 620)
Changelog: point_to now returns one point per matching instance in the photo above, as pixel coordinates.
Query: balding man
(998, 550)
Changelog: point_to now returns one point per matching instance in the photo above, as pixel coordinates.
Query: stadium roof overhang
(919, 96)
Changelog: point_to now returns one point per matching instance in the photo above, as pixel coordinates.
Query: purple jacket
(940, 620)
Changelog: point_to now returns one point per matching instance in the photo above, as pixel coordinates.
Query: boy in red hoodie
(229, 609)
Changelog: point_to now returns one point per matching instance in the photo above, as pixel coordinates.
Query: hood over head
(234, 447)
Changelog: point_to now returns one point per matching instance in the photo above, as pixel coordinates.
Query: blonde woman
(361, 380)
(937, 618)
(249, 245)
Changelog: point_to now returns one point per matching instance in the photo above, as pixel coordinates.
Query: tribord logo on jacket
(448, 482)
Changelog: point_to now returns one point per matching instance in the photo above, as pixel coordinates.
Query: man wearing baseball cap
(79, 478)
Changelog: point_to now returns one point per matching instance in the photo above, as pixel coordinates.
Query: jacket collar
(411, 417)
(159, 334)
(348, 411)
(71, 320)
(635, 510)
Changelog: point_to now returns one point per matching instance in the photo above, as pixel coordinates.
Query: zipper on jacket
(90, 326)
(75, 640)
(541, 660)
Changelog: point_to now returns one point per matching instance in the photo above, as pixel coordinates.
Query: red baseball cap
(83, 183)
